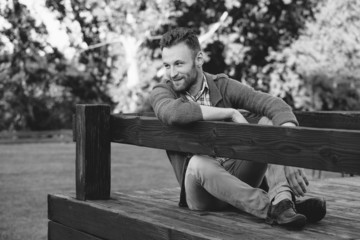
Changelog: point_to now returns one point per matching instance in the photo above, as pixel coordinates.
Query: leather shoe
(313, 208)
(284, 214)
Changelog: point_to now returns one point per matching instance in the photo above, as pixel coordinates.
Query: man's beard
(188, 81)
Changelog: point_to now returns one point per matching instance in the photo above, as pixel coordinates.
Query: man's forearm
(217, 114)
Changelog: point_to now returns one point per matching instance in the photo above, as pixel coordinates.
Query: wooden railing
(325, 141)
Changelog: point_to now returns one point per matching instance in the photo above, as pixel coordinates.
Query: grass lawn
(28, 172)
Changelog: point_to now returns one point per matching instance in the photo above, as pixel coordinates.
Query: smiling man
(189, 94)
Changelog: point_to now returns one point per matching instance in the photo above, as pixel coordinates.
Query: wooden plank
(58, 231)
(219, 225)
(73, 123)
(322, 149)
(146, 214)
(100, 221)
(127, 218)
(317, 119)
(338, 223)
(92, 152)
(334, 119)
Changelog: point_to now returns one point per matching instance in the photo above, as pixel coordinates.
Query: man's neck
(197, 86)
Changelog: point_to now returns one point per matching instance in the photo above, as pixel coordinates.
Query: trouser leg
(277, 181)
(275, 174)
(249, 172)
(209, 186)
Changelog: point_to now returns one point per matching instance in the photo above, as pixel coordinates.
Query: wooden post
(92, 152)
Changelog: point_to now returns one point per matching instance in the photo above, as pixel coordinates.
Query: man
(212, 183)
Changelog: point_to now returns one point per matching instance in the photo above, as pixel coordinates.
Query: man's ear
(199, 59)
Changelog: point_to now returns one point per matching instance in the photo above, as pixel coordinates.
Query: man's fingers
(303, 174)
(297, 181)
(294, 189)
(299, 189)
(295, 186)
(302, 186)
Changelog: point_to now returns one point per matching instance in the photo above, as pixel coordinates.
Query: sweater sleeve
(172, 110)
(242, 96)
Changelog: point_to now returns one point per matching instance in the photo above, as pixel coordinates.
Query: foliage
(320, 71)
(38, 87)
(116, 55)
(239, 48)
(122, 29)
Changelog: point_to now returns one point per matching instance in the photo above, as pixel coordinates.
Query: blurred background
(58, 53)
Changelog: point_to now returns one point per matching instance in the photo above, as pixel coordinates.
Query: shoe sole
(313, 208)
(297, 222)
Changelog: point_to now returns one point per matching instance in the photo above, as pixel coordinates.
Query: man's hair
(180, 35)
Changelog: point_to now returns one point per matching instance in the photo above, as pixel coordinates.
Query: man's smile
(177, 79)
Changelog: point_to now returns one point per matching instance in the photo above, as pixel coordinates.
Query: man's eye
(167, 66)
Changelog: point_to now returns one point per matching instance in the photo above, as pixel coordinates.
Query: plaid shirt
(203, 98)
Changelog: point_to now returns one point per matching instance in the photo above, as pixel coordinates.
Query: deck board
(157, 212)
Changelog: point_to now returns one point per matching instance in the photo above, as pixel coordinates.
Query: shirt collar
(214, 91)
(204, 87)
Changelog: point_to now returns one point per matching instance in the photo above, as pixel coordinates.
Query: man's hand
(217, 114)
(238, 117)
(297, 180)
(289, 124)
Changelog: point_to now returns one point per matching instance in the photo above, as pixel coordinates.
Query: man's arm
(263, 104)
(217, 114)
(173, 110)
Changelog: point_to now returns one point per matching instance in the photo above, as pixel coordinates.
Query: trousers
(214, 185)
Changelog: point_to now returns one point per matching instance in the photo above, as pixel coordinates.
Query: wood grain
(322, 149)
(317, 119)
(101, 221)
(154, 214)
(334, 119)
(92, 152)
(58, 231)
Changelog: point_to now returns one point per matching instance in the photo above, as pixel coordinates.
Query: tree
(253, 28)
(320, 70)
(121, 29)
(38, 87)
(238, 46)
(117, 55)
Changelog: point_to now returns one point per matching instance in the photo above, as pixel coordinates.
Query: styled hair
(181, 35)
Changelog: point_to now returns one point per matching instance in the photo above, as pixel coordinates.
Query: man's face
(179, 63)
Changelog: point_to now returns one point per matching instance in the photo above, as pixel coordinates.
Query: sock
(281, 196)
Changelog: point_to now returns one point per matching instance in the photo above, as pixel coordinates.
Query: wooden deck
(150, 214)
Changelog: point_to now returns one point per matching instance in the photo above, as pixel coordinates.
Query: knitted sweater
(173, 108)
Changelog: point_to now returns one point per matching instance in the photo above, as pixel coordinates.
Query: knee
(196, 163)
(201, 165)
(265, 121)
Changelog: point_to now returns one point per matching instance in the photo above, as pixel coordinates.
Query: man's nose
(173, 72)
